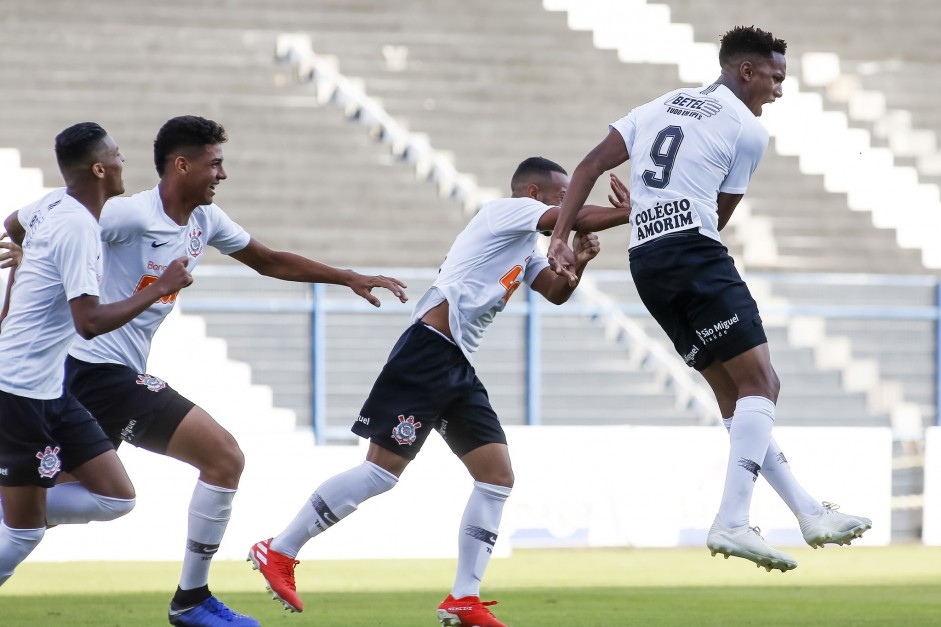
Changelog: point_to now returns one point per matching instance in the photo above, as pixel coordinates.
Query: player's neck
(89, 197)
(732, 84)
(177, 207)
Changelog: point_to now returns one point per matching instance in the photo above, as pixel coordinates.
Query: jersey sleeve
(523, 218)
(747, 153)
(627, 127)
(536, 264)
(121, 221)
(227, 236)
(77, 255)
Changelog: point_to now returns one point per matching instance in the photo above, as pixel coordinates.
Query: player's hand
(562, 260)
(622, 195)
(363, 285)
(175, 277)
(587, 247)
(11, 255)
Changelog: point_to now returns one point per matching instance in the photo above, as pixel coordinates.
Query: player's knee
(503, 477)
(225, 466)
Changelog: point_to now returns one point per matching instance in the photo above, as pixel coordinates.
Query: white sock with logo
(749, 438)
(15, 546)
(477, 537)
(335, 499)
(777, 472)
(209, 512)
(73, 504)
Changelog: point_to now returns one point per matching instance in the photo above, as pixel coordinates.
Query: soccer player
(429, 383)
(44, 430)
(695, 151)
(141, 234)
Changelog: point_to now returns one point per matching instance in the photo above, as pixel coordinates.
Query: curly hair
(184, 132)
(749, 40)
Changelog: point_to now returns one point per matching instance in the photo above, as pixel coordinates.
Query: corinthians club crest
(406, 431)
(194, 244)
(49, 462)
(153, 383)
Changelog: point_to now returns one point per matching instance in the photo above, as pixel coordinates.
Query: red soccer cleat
(278, 571)
(467, 612)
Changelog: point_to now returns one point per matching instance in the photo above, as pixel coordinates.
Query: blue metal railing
(319, 305)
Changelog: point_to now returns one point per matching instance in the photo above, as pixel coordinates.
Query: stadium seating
(490, 83)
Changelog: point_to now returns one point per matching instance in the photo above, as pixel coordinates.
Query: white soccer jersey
(494, 253)
(61, 261)
(139, 241)
(687, 146)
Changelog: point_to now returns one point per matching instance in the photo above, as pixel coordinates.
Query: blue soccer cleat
(210, 613)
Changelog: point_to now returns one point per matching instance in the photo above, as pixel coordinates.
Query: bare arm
(6, 297)
(726, 205)
(558, 289)
(290, 267)
(609, 154)
(594, 217)
(91, 318)
(11, 259)
(14, 229)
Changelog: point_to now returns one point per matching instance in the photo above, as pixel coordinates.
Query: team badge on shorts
(49, 462)
(405, 431)
(195, 245)
(153, 383)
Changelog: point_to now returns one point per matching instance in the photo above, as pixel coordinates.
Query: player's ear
(532, 190)
(746, 70)
(180, 164)
(98, 170)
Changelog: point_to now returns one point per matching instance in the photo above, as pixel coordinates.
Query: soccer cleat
(210, 613)
(746, 542)
(467, 612)
(831, 526)
(278, 571)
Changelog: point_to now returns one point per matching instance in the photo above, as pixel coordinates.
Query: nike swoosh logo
(156, 245)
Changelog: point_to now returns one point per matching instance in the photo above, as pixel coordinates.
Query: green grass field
(842, 586)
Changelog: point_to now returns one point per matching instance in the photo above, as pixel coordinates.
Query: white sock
(777, 472)
(478, 534)
(73, 504)
(209, 512)
(335, 499)
(15, 545)
(749, 438)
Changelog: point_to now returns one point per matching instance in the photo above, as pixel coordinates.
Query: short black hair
(185, 131)
(534, 167)
(77, 143)
(751, 41)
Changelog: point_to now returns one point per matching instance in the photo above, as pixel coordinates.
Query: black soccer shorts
(129, 406)
(426, 384)
(40, 438)
(690, 285)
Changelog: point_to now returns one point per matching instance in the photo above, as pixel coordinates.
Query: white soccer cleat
(746, 542)
(832, 527)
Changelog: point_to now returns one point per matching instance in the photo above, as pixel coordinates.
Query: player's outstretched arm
(558, 289)
(607, 155)
(91, 318)
(595, 217)
(291, 267)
